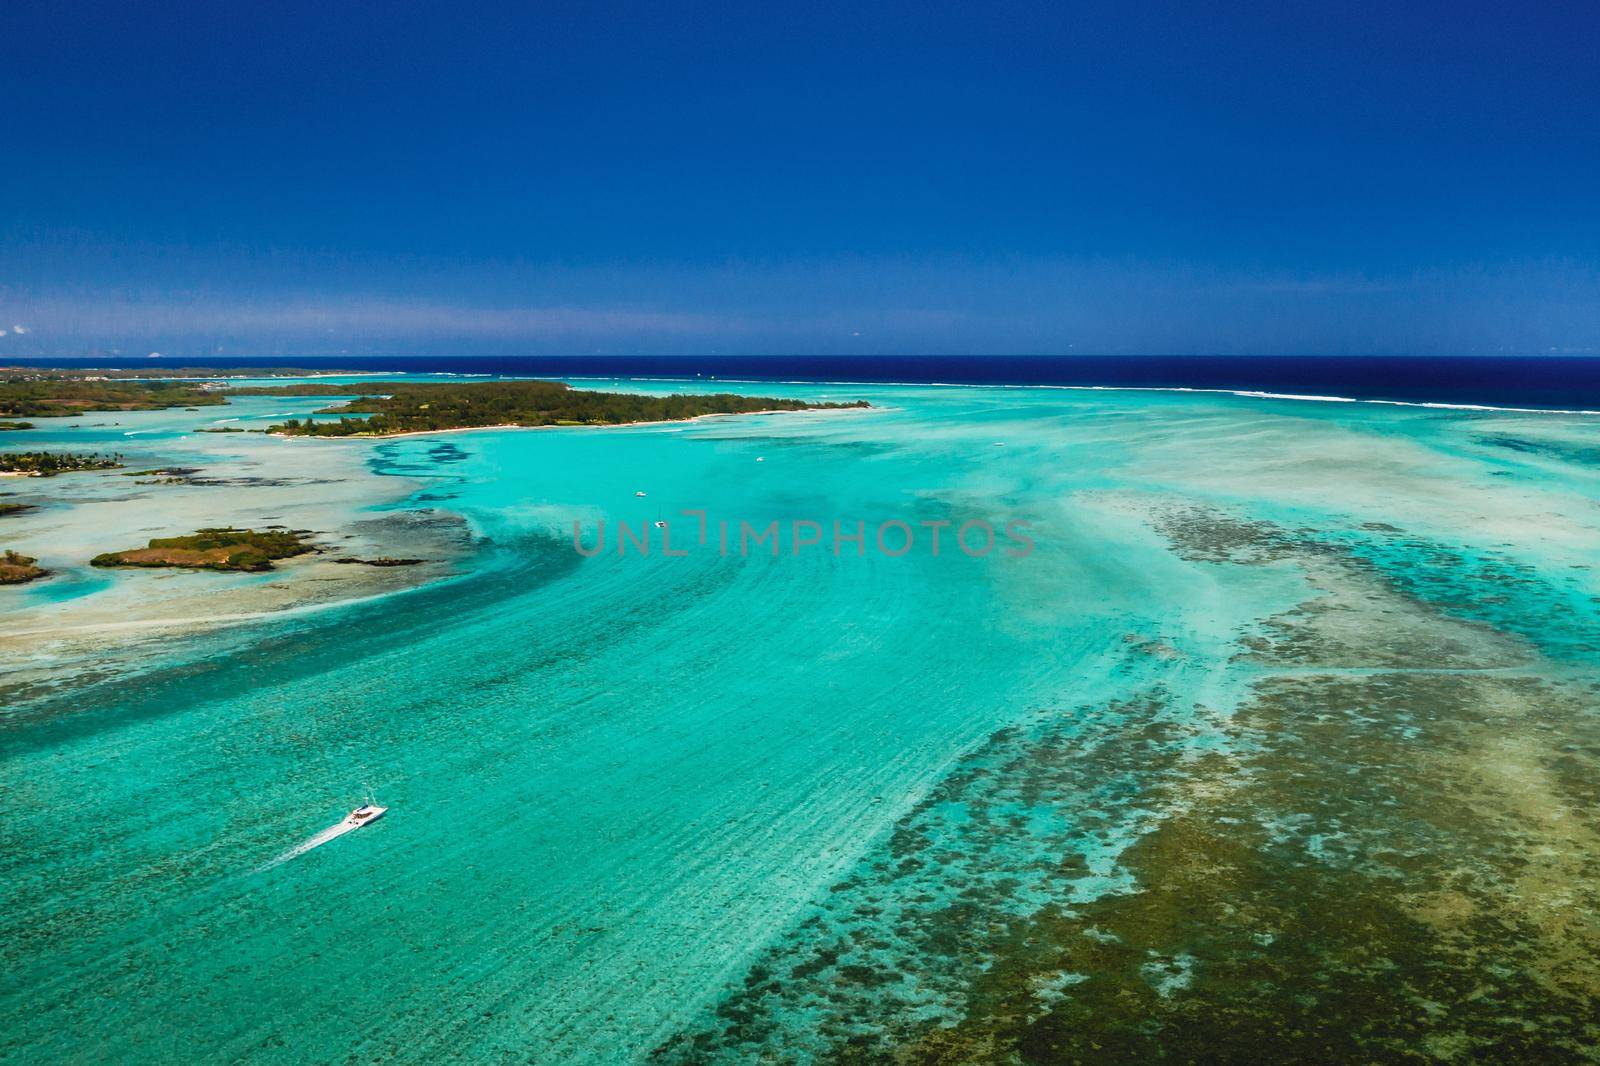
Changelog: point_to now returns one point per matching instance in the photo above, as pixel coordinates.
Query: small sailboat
(660, 523)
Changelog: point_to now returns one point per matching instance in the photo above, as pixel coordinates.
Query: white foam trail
(330, 833)
(1294, 396)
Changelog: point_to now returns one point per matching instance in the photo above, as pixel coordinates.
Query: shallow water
(623, 789)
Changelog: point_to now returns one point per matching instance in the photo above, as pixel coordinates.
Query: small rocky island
(214, 549)
(19, 569)
(49, 464)
(422, 407)
(6, 427)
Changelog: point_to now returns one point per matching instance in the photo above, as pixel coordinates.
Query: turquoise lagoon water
(615, 781)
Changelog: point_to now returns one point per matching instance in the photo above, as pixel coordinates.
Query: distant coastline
(1539, 382)
(607, 425)
(389, 408)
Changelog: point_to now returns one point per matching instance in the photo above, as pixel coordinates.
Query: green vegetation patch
(213, 549)
(47, 392)
(49, 464)
(43, 395)
(11, 426)
(398, 407)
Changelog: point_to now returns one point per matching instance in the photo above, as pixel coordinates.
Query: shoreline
(1241, 393)
(201, 622)
(87, 613)
(607, 425)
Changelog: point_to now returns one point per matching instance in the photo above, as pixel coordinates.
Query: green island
(213, 549)
(44, 397)
(400, 407)
(9, 510)
(41, 393)
(19, 569)
(49, 464)
(393, 407)
(6, 427)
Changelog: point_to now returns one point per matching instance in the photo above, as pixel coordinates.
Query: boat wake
(354, 820)
(330, 833)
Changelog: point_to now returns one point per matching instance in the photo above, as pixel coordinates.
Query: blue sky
(876, 178)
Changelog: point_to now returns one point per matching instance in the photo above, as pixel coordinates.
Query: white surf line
(1254, 394)
(1248, 394)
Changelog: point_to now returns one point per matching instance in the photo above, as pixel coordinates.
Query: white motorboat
(365, 814)
(362, 815)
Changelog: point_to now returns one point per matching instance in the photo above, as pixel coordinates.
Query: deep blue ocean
(1542, 382)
